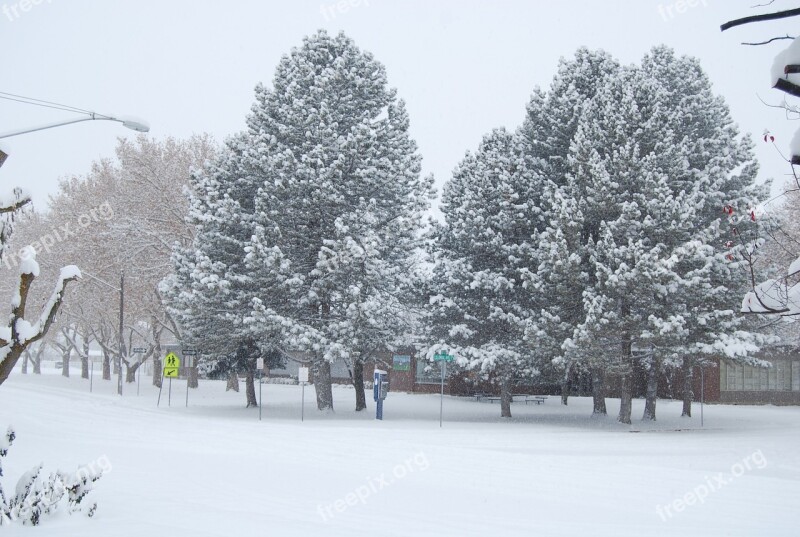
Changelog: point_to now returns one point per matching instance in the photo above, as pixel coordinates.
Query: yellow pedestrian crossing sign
(171, 365)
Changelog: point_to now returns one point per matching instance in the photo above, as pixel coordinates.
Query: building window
(784, 375)
(796, 376)
(428, 373)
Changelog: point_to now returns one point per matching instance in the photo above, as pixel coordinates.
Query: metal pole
(121, 332)
(702, 393)
(169, 398)
(160, 387)
(441, 396)
(91, 374)
(303, 402)
(259, 394)
(187, 387)
(138, 378)
(93, 116)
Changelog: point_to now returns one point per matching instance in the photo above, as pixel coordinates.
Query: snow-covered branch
(20, 333)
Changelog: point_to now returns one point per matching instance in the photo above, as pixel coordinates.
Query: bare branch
(761, 18)
(768, 41)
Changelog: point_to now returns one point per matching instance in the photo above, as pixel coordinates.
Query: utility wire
(39, 102)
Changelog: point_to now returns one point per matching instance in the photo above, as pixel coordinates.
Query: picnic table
(527, 398)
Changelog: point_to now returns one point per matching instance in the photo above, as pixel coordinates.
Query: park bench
(538, 399)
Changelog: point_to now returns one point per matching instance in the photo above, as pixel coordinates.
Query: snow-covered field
(213, 469)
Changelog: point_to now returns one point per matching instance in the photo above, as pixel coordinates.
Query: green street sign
(443, 357)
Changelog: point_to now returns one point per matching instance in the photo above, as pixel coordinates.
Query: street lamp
(131, 123)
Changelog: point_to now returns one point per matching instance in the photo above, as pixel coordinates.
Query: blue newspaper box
(380, 388)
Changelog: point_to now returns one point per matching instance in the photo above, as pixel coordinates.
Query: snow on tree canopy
(28, 264)
(794, 145)
(789, 56)
(773, 296)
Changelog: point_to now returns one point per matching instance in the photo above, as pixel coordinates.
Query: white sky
(463, 67)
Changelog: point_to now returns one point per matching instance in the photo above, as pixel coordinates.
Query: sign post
(702, 394)
(140, 351)
(188, 364)
(442, 357)
(260, 367)
(302, 378)
(172, 365)
(188, 355)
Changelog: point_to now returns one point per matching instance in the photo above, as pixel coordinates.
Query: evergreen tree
(717, 170)
(550, 125)
(339, 209)
(487, 239)
(652, 164)
(211, 289)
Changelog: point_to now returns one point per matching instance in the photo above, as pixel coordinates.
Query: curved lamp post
(131, 123)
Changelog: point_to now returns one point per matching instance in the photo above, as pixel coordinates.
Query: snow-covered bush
(37, 495)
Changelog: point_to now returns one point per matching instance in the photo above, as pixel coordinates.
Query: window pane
(723, 376)
(773, 377)
(748, 378)
(433, 375)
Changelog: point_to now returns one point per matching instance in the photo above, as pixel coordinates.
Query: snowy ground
(213, 469)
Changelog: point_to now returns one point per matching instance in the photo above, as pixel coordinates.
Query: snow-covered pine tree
(711, 166)
(558, 282)
(477, 309)
(211, 290)
(654, 160)
(620, 191)
(548, 130)
(340, 207)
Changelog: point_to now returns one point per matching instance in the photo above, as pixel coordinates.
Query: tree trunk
(65, 356)
(626, 382)
(37, 363)
(598, 392)
(157, 370)
(652, 389)
(25, 357)
(130, 373)
(565, 385)
(233, 383)
(688, 394)
(106, 365)
(250, 389)
(192, 378)
(157, 354)
(85, 360)
(358, 384)
(323, 384)
(505, 396)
